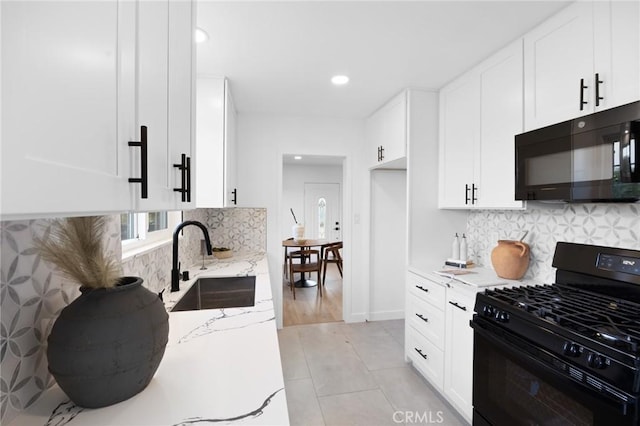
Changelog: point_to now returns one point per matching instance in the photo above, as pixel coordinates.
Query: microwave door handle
(625, 160)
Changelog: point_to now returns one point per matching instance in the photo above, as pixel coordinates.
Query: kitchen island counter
(220, 366)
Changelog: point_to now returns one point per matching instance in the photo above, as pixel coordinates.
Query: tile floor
(355, 374)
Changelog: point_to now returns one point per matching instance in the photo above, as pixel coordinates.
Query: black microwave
(588, 159)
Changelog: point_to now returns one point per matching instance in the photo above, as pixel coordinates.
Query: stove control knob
(502, 316)
(571, 349)
(488, 311)
(596, 361)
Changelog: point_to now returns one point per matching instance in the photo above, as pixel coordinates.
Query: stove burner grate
(613, 322)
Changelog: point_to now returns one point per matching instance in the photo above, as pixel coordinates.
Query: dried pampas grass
(75, 245)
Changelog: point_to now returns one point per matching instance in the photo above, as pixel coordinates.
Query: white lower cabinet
(458, 360)
(426, 358)
(440, 339)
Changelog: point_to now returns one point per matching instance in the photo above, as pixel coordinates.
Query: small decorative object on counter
(463, 248)
(510, 259)
(222, 252)
(455, 248)
(107, 344)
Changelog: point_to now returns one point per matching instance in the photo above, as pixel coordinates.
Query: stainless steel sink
(224, 292)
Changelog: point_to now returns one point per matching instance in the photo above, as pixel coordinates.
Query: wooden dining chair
(332, 255)
(308, 266)
(288, 253)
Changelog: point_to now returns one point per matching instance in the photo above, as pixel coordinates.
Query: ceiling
(279, 56)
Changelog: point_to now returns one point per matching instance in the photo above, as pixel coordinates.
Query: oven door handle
(513, 344)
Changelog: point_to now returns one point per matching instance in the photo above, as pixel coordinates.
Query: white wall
(294, 178)
(263, 139)
(388, 244)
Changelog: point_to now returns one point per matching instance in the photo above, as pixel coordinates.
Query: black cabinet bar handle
(381, 153)
(474, 189)
(143, 180)
(188, 174)
(598, 83)
(422, 317)
(464, 308)
(421, 354)
(582, 87)
(182, 167)
(466, 194)
(426, 290)
(235, 196)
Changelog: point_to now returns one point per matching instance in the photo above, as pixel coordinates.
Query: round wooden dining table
(307, 244)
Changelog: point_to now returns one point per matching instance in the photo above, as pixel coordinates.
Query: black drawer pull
(423, 355)
(183, 176)
(423, 318)
(188, 173)
(464, 308)
(143, 179)
(426, 290)
(234, 200)
(598, 83)
(582, 87)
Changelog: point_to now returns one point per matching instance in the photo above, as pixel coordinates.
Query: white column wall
(262, 141)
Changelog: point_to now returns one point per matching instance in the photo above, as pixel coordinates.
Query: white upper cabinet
(215, 138)
(480, 114)
(386, 134)
(165, 101)
(581, 60)
(459, 139)
(79, 81)
(617, 52)
(67, 67)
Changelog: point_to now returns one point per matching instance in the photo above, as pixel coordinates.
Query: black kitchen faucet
(175, 268)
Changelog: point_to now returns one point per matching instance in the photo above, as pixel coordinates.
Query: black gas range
(566, 353)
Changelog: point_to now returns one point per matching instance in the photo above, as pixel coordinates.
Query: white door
(322, 211)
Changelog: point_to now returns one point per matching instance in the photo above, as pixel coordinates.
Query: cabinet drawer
(427, 319)
(426, 290)
(427, 358)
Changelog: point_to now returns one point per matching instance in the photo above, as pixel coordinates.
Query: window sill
(139, 249)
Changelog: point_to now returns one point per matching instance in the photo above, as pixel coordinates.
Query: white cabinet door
(373, 135)
(459, 137)
(164, 90)
(66, 68)
(215, 144)
(230, 158)
(210, 97)
(617, 53)
(181, 97)
(458, 360)
(558, 54)
(501, 106)
(386, 134)
(394, 130)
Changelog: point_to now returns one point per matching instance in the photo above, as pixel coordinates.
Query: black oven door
(517, 383)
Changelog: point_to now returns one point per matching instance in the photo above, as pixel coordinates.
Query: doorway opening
(312, 194)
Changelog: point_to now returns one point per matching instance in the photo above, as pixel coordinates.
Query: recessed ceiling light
(339, 80)
(297, 157)
(201, 35)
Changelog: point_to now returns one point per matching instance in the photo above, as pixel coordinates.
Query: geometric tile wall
(32, 295)
(615, 225)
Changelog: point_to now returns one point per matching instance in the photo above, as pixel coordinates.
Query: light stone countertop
(220, 366)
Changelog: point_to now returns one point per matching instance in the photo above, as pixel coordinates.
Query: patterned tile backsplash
(32, 295)
(616, 225)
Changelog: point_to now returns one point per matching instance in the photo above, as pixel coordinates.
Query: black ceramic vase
(107, 344)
